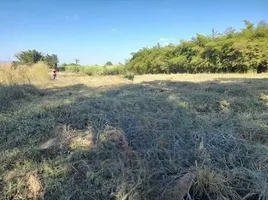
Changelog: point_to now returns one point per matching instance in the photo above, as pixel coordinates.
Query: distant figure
(54, 71)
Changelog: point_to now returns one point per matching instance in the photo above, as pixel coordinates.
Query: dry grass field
(158, 137)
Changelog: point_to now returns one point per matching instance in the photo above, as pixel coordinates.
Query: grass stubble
(157, 137)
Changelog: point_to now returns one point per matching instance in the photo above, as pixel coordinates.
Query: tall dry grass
(23, 74)
(16, 83)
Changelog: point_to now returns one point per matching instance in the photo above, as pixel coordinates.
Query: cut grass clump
(263, 97)
(255, 131)
(9, 94)
(224, 105)
(240, 105)
(213, 185)
(205, 102)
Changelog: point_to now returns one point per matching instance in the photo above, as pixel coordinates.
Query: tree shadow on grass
(144, 137)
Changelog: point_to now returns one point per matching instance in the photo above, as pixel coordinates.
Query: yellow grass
(68, 79)
(23, 74)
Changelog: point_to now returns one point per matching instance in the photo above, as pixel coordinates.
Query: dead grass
(13, 80)
(157, 137)
(23, 74)
(34, 185)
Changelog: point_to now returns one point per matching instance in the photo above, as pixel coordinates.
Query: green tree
(230, 51)
(109, 63)
(28, 57)
(51, 60)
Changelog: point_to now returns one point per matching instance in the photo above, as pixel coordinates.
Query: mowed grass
(157, 137)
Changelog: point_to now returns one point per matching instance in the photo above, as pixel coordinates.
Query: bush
(62, 68)
(130, 76)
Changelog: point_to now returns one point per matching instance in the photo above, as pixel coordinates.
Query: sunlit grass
(23, 74)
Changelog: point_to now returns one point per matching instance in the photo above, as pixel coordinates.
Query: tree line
(31, 57)
(228, 52)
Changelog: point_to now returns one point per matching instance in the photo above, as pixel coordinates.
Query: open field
(158, 137)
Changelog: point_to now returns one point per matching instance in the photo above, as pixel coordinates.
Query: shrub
(130, 76)
(62, 68)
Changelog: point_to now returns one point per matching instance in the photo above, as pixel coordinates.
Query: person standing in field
(54, 71)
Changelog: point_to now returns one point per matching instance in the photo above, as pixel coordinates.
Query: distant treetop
(109, 63)
(31, 57)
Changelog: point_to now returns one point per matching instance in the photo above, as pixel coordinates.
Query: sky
(97, 31)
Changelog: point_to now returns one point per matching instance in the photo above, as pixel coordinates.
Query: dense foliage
(51, 60)
(31, 57)
(227, 52)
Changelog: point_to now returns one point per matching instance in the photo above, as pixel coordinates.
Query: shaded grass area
(136, 141)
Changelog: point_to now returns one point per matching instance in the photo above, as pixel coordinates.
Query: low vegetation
(157, 137)
(94, 70)
(129, 76)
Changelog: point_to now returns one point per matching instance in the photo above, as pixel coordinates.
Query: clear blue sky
(96, 31)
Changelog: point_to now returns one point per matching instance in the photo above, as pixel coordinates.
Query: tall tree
(109, 63)
(29, 57)
(51, 60)
(228, 52)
